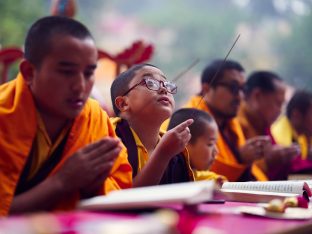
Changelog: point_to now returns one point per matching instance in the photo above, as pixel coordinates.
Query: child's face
(203, 151)
(157, 105)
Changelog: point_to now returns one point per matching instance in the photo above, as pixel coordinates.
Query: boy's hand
(87, 169)
(254, 148)
(175, 140)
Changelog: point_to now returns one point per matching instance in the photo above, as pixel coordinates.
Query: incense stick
(216, 74)
(186, 70)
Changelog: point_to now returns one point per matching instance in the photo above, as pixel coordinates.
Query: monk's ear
(27, 69)
(121, 103)
(296, 115)
(256, 93)
(205, 88)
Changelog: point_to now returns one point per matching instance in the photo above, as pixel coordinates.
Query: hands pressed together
(87, 169)
(254, 148)
(261, 147)
(282, 154)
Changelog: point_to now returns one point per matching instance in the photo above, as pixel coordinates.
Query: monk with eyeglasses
(222, 89)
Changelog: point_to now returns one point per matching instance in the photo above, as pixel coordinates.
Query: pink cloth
(221, 217)
(299, 165)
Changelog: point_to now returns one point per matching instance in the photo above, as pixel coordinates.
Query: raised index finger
(181, 127)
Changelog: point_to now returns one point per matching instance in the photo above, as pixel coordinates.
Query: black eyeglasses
(234, 88)
(153, 84)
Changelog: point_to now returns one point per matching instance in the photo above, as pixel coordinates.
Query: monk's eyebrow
(93, 66)
(67, 64)
(70, 64)
(152, 75)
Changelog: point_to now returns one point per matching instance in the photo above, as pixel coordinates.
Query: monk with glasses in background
(222, 89)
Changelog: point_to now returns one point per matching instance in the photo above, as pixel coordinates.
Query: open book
(264, 191)
(152, 196)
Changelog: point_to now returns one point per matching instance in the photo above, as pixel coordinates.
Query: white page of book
(294, 187)
(188, 193)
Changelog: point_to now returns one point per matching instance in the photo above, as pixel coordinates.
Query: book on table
(188, 193)
(264, 191)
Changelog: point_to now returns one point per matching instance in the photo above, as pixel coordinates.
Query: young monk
(143, 98)
(56, 145)
(202, 146)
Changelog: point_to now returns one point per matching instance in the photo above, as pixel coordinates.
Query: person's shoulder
(282, 130)
(92, 103)
(234, 124)
(281, 123)
(5, 86)
(192, 102)
(92, 106)
(115, 120)
(9, 90)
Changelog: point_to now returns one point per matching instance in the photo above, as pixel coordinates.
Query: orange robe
(18, 127)
(252, 126)
(226, 163)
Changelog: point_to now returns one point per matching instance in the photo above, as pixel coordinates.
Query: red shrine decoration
(138, 52)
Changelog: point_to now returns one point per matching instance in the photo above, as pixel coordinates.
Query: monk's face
(224, 98)
(308, 121)
(269, 104)
(63, 82)
(305, 121)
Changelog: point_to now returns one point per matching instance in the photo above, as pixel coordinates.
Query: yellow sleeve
(164, 125)
(208, 175)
